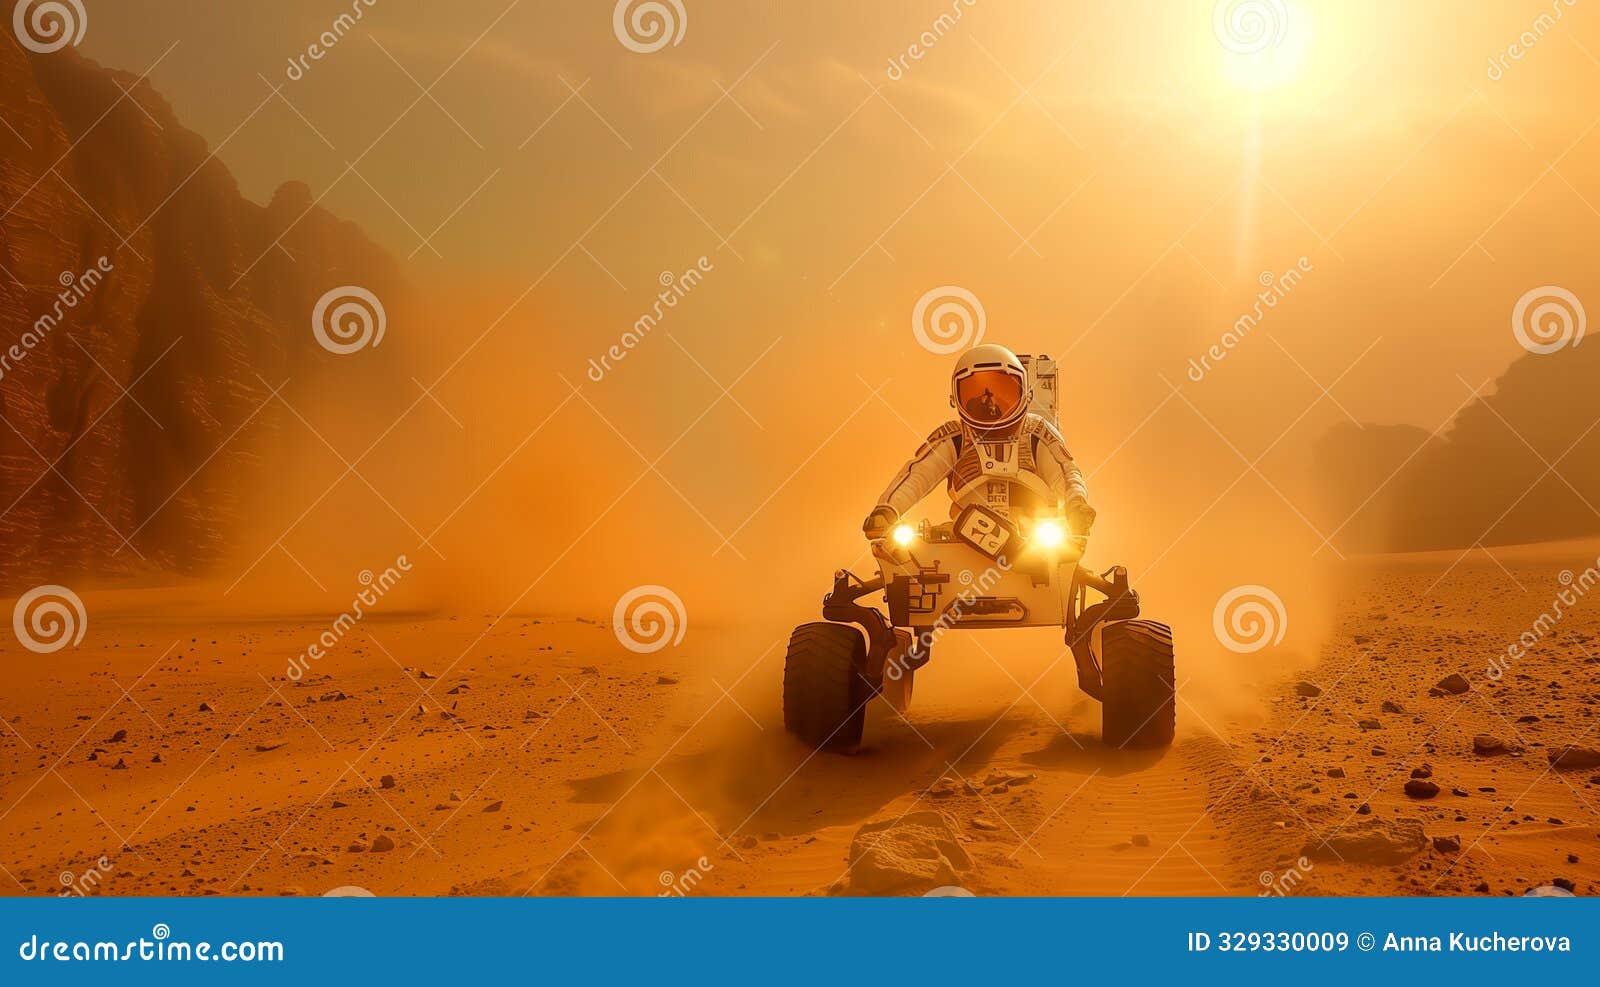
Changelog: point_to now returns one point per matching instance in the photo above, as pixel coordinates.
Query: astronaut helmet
(989, 388)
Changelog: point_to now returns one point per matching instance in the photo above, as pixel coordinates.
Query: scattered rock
(494, 806)
(1140, 839)
(387, 781)
(1447, 845)
(1335, 772)
(1371, 841)
(666, 680)
(1424, 771)
(1006, 779)
(1574, 759)
(912, 854)
(1454, 683)
(1419, 788)
(205, 707)
(1307, 689)
(382, 843)
(1390, 706)
(985, 823)
(117, 737)
(1369, 724)
(747, 842)
(1485, 744)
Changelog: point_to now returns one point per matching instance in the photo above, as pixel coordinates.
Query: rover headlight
(904, 534)
(1049, 534)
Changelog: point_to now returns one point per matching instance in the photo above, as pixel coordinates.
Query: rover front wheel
(824, 692)
(1138, 708)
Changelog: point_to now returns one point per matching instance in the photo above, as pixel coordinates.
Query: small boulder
(1455, 684)
(1307, 689)
(1371, 841)
(1421, 788)
(1485, 745)
(909, 855)
(382, 843)
(1574, 759)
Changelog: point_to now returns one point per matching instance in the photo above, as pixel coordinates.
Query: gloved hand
(879, 522)
(1081, 516)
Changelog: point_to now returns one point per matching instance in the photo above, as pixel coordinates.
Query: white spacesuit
(997, 454)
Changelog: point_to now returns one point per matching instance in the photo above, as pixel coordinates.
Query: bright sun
(1264, 42)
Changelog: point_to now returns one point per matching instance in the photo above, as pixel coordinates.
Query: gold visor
(989, 396)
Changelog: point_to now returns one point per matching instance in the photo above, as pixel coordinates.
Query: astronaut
(997, 454)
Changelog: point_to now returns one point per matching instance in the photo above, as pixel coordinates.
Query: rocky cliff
(145, 307)
(1519, 464)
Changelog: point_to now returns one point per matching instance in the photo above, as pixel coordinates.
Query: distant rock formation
(209, 297)
(1485, 479)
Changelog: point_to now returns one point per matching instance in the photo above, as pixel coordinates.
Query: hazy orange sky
(1109, 180)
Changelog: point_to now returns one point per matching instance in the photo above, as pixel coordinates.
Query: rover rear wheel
(824, 692)
(1138, 708)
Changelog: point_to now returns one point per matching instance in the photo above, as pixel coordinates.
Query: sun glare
(1264, 42)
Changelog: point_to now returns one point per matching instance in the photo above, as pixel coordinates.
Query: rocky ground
(427, 755)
